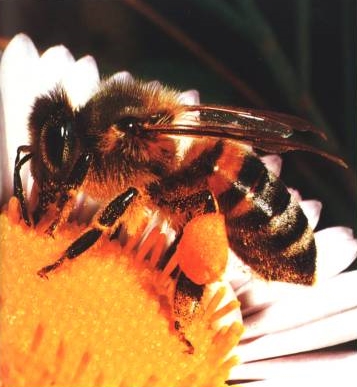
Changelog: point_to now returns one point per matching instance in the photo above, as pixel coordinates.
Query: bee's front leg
(18, 189)
(69, 190)
(107, 219)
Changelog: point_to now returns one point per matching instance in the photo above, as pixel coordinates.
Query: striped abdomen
(265, 226)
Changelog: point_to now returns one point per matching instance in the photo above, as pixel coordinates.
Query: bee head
(53, 137)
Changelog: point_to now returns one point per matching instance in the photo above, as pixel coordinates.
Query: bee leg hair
(107, 218)
(18, 189)
(187, 293)
(70, 189)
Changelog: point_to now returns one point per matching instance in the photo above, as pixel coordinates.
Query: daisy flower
(294, 334)
(109, 322)
(105, 321)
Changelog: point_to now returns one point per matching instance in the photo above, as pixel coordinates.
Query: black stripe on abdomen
(265, 193)
(266, 227)
(230, 198)
(295, 264)
(275, 233)
(252, 173)
(282, 248)
(197, 170)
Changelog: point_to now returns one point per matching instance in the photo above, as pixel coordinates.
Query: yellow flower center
(103, 319)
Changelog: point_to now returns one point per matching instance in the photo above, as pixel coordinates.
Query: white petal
(336, 250)
(5, 190)
(273, 163)
(237, 273)
(17, 82)
(121, 76)
(295, 194)
(327, 332)
(53, 66)
(189, 97)
(309, 304)
(81, 80)
(330, 378)
(312, 210)
(258, 294)
(314, 363)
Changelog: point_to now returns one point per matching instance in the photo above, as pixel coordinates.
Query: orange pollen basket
(103, 319)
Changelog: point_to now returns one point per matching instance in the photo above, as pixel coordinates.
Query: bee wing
(280, 124)
(264, 130)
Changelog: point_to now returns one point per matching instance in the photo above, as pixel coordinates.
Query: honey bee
(121, 148)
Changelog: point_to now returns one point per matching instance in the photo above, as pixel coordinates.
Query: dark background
(294, 56)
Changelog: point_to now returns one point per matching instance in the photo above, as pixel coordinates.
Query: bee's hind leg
(186, 304)
(107, 219)
(188, 294)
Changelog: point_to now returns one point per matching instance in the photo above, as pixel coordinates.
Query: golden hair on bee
(120, 148)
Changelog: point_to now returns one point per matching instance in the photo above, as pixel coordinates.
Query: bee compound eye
(129, 124)
(59, 144)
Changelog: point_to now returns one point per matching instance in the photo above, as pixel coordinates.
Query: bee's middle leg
(107, 219)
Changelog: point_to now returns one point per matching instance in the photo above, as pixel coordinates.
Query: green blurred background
(294, 56)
